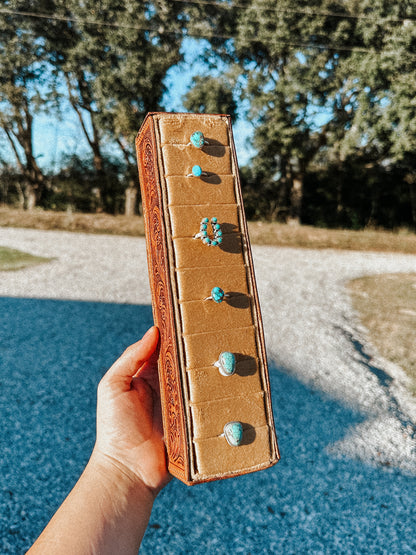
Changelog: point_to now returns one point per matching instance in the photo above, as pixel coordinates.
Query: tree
(23, 92)
(286, 76)
(113, 56)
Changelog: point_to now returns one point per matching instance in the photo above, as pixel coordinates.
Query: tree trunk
(296, 194)
(30, 198)
(131, 199)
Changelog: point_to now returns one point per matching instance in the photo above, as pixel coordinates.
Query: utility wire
(102, 23)
(324, 13)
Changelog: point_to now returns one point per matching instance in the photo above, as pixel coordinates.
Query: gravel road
(346, 424)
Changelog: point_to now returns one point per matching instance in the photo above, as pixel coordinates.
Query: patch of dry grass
(261, 233)
(318, 238)
(68, 221)
(387, 307)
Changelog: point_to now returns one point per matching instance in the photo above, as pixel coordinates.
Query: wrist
(118, 477)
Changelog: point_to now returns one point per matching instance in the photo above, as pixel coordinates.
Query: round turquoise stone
(233, 432)
(197, 139)
(217, 294)
(226, 363)
(197, 171)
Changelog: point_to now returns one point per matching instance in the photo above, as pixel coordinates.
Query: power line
(324, 13)
(102, 23)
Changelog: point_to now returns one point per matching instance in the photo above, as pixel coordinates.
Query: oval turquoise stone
(233, 432)
(197, 139)
(197, 171)
(217, 294)
(227, 363)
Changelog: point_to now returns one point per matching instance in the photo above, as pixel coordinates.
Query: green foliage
(211, 95)
(328, 85)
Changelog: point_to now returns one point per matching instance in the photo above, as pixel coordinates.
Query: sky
(55, 136)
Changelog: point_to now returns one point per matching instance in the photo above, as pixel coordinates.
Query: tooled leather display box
(214, 382)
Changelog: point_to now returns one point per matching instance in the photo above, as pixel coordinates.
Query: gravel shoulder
(344, 417)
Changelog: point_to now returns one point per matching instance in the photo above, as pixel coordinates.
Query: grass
(12, 259)
(261, 233)
(387, 307)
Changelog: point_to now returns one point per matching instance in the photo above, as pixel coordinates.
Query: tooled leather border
(168, 363)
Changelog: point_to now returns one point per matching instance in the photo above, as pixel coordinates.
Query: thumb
(132, 359)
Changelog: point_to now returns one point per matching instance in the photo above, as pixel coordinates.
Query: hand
(129, 420)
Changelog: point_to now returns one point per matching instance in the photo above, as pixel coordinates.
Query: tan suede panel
(201, 349)
(178, 128)
(206, 315)
(215, 189)
(197, 283)
(192, 253)
(205, 328)
(179, 160)
(207, 384)
(215, 456)
(210, 418)
(186, 220)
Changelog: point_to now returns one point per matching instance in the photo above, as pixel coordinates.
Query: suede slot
(207, 384)
(178, 129)
(210, 417)
(212, 190)
(186, 220)
(201, 349)
(196, 284)
(215, 456)
(179, 161)
(192, 253)
(205, 315)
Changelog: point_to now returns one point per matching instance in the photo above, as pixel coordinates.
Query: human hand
(129, 420)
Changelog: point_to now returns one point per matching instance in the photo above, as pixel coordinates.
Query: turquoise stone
(214, 220)
(197, 139)
(197, 171)
(233, 432)
(226, 363)
(217, 294)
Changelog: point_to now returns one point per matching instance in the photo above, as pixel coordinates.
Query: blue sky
(55, 136)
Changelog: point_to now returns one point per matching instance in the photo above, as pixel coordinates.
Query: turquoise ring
(196, 172)
(203, 232)
(198, 140)
(233, 432)
(217, 295)
(226, 363)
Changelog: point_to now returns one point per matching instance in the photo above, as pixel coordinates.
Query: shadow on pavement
(53, 354)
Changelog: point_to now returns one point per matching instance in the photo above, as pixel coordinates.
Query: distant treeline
(329, 87)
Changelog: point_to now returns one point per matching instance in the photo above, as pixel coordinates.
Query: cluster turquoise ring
(203, 232)
(198, 140)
